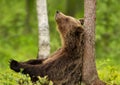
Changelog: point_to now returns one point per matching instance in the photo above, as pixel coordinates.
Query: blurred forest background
(19, 33)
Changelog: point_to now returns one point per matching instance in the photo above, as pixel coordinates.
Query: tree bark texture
(44, 40)
(90, 75)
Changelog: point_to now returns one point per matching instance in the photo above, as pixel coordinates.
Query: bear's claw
(14, 65)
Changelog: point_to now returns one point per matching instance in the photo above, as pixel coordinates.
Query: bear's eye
(66, 19)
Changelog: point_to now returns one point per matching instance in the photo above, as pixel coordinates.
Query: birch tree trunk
(44, 40)
(90, 75)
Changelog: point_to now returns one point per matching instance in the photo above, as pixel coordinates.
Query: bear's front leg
(34, 61)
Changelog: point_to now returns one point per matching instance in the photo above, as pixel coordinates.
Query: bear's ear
(81, 21)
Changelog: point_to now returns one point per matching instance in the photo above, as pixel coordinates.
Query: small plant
(109, 73)
(11, 78)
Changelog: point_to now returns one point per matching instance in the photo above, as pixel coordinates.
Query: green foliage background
(19, 35)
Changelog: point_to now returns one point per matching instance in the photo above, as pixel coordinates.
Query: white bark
(44, 40)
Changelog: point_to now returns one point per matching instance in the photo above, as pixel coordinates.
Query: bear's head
(69, 28)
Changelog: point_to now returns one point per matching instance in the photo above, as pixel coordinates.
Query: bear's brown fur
(64, 67)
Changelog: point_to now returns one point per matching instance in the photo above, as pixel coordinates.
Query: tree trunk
(90, 75)
(44, 40)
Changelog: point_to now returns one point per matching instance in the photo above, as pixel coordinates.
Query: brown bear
(64, 67)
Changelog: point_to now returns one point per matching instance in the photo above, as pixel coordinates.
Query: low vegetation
(108, 73)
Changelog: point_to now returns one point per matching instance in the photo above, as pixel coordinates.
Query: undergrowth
(107, 72)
